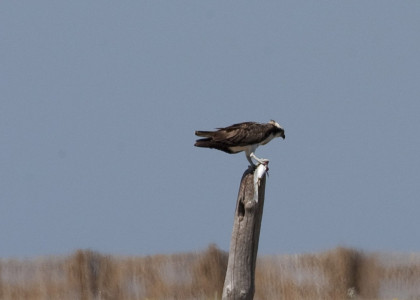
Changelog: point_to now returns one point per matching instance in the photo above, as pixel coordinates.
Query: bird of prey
(246, 136)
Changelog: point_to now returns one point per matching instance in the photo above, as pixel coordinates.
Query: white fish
(258, 174)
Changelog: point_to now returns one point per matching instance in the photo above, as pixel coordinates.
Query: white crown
(275, 124)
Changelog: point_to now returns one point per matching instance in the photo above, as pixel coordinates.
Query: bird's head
(279, 129)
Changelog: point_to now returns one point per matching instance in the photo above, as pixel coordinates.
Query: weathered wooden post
(240, 274)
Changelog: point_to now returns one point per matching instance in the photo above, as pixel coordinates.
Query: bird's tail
(204, 133)
(205, 143)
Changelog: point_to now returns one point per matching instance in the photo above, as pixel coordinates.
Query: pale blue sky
(100, 100)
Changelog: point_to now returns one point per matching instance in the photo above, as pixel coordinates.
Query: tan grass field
(340, 273)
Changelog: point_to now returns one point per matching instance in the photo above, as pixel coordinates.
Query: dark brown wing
(242, 134)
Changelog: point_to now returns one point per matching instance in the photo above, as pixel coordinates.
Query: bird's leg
(248, 157)
(260, 160)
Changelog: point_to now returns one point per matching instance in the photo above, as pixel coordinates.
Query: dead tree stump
(240, 274)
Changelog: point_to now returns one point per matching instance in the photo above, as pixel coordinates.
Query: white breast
(269, 138)
(247, 149)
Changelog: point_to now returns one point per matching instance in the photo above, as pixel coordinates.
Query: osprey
(240, 137)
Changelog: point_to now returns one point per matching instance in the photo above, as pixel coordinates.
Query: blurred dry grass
(340, 273)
